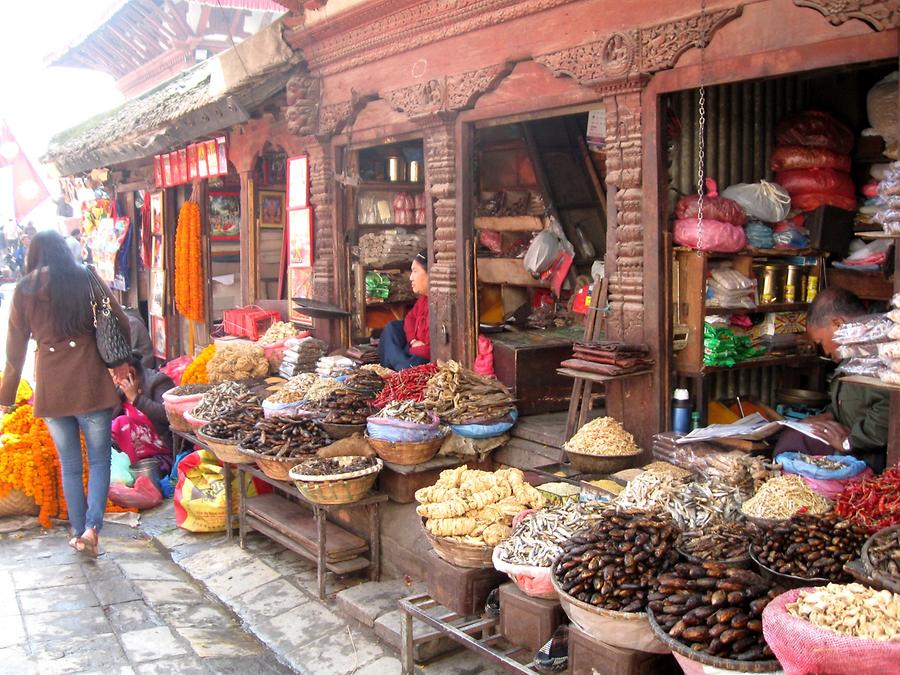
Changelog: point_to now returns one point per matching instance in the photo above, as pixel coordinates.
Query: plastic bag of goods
(763, 201)
(401, 431)
(813, 200)
(717, 236)
(789, 157)
(715, 206)
(200, 493)
(487, 429)
(144, 495)
(816, 181)
(816, 129)
(531, 580)
(802, 646)
(827, 475)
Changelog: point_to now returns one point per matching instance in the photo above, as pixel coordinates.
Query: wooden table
(282, 519)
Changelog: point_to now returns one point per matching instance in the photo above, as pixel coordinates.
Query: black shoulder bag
(112, 345)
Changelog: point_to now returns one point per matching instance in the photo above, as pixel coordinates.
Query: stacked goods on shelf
(812, 161)
(728, 288)
(366, 355)
(865, 345)
(887, 202)
(389, 246)
(301, 356)
(388, 286)
(722, 224)
(334, 366)
(723, 346)
(889, 352)
(608, 358)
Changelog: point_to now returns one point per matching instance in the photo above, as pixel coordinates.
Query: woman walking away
(73, 391)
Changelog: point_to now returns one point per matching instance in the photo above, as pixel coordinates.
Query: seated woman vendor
(406, 343)
(856, 421)
(140, 425)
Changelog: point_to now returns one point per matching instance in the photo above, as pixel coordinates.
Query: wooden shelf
(509, 223)
(760, 309)
(867, 381)
(507, 271)
(797, 360)
(387, 226)
(877, 235)
(867, 285)
(755, 252)
(388, 303)
(595, 377)
(389, 185)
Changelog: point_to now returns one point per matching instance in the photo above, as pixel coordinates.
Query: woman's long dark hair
(68, 283)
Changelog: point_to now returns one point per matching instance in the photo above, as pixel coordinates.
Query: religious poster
(157, 292)
(300, 245)
(224, 215)
(159, 337)
(298, 182)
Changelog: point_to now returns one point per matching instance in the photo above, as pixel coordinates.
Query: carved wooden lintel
(881, 15)
(303, 93)
(621, 57)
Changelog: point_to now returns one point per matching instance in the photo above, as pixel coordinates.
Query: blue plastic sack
(399, 431)
(791, 463)
(487, 429)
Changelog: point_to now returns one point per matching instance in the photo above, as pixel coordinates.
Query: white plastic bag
(763, 201)
(546, 247)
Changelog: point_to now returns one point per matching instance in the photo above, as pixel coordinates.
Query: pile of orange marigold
(29, 464)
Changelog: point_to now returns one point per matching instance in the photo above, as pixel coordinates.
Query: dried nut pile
(537, 540)
(235, 422)
(321, 388)
(714, 609)
(278, 331)
(476, 507)
(295, 389)
(718, 542)
(406, 411)
(364, 382)
(284, 436)
(782, 497)
(189, 390)
(614, 564)
(811, 547)
(237, 362)
(333, 466)
(603, 436)
(667, 469)
(691, 504)
(343, 407)
(460, 396)
(884, 552)
(222, 398)
(851, 609)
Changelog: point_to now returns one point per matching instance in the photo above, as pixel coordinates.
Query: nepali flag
(21, 188)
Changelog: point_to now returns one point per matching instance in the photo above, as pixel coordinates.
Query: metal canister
(812, 287)
(415, 171)
(396, 168)
(767, 280)
(792, 283)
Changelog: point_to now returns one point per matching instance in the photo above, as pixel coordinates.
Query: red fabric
(29, 190)
(812, 201)
(715, 207)
(799, 157)
(146, 235)
(416, 327)
(484, 362)
(816, 129)
(816, 181)
(717, 236)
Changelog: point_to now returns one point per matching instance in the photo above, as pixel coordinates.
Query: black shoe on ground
(554, 655)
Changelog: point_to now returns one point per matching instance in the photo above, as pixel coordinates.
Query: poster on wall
(300, 285)
(224, 215)
(271, 209)
(159, 337)
(301, 238)
(298, 182)
(157, 292)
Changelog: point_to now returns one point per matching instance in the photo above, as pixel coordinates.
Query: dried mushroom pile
(603, 436)
(852, 610)
(459, 396)
(237, 362)
(476, 507)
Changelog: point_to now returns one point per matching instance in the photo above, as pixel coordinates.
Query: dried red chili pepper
(406, 385)
(873, 503)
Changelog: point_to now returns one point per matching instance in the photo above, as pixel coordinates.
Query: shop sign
(596, 128)
(196, 161)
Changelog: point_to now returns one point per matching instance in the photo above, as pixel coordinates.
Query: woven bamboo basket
(339, 489)
(277, 469)
(226, 451)
(339, 431)
(177, 421)
(459, 554)
(406, 453)
(17, 503)
(195, 423)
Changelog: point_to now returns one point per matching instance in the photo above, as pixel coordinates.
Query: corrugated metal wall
(740, 133)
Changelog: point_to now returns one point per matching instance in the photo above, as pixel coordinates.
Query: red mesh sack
(715, 207)
(799, 157)
(810, 202)
(803, 648)
(814, 128)
(816, 181)
(717, 236)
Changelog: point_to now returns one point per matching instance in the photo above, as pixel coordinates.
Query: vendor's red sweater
(415, 325)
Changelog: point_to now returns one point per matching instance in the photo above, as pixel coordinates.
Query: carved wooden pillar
(328, 252)
(249, 261)
(447, 308)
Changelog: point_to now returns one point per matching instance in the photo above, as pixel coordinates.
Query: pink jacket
(416, 327)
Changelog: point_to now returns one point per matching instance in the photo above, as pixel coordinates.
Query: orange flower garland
(189, 286)
(196, 373)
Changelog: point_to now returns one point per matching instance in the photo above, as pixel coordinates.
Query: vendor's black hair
(422, 258)
(834, 302)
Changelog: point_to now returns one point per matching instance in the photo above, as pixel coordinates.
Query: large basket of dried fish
(723, 543)
(180, 399)
(881, 558)
(195, 423)
(404, 422)
(278, 444)
(462, 397)
(601, 446)
(338, 431)
(225, 450)
(407, 454)
(336, 480)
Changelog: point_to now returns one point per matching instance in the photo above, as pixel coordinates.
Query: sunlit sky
(38, 101)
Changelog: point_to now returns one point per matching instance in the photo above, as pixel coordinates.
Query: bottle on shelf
(681, 411)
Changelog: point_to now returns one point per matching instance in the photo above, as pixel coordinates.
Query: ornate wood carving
(453, 92)
(625, 55)
(883, 15)
(381, 29)
(321, 196)
(302, 109)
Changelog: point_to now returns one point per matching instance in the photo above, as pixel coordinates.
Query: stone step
(368, 601)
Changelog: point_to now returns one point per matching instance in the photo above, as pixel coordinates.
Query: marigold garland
(29, 463)
(196, 373)
(189, 286)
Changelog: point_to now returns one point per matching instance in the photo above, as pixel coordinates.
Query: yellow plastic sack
(200, 493)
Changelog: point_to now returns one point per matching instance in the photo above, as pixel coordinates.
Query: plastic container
(681, 411)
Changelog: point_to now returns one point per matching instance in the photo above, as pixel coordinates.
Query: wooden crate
(460, 589)
(588, 656)
(529, 370)
(525, 621)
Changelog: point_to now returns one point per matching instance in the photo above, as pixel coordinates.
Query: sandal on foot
(91, 542)
(77, 544)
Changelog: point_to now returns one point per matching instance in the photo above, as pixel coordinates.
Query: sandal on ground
(91, 542)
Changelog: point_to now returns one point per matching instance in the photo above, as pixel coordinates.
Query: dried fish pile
(820, 462)
(283, 437)
(189, 390)
(343, 407)
(295, 389)
(850, 609)
(746, 472)
(718, 542)
(714, 609)
(614, 564)
(222, 398)
(884, 553)
(365, 382)
(406, 411)
(331, 466)
(691, 504)
(811, 547)
(378, 369)
(537, 540)
(321, 388)
(783, 496)
(235, 422)
(603, 436)
(460, 396)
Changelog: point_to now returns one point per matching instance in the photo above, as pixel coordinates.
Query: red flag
(29, 190)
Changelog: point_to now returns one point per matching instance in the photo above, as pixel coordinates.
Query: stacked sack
(812, 161)
(723, 222)
(890, 351)
(888, 200)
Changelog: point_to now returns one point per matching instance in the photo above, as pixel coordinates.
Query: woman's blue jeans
(84, 511)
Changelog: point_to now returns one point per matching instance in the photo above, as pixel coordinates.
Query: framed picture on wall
(156, 213)
(301, 238)
(157, 292)
(224, 215)
(298, 182)
(158, 258)
(159, 336)
(271, 209)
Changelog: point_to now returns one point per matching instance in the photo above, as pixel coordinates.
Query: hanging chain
(701, 145)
